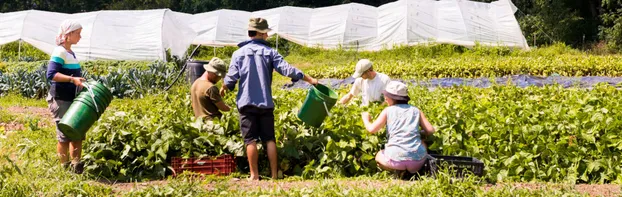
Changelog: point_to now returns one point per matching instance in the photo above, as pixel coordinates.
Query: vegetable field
(545, 134)
(558, 138)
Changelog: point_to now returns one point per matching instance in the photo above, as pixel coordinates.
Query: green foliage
(521, 134)
(139, 78)
(442, 186)
(124, 78)
(611, 32)
(150, 136)
(32, 84)
(553, 21)
(477, 66)
(11, 52)
(32, 153)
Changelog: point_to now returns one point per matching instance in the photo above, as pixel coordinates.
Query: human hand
(366, 116)
(310, 80)
(78, 81)
(313, 81)
(223, 90)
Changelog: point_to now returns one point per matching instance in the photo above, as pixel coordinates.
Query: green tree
(611, 30)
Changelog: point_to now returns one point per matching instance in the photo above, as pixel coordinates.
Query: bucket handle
(92, 96)
(326, 108)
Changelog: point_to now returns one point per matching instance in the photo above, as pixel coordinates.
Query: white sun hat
(397, 91)
(362, 66)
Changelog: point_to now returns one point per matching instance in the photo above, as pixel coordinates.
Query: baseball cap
(362, 66)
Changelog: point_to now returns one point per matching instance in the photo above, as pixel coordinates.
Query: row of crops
(521, 134)
(30, 81)
(136, 79)
(484, 66)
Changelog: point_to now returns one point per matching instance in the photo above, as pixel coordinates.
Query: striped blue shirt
(63, 62)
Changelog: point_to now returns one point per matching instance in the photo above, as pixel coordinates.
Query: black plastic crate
(459, 164)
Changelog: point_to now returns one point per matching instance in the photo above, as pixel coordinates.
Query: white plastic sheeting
(406, 22)
(38, 28)
(509, 32)
(132, 35)
(291, 23)
(115, 35)
(348, 25)
(411, 22)
(145, 35)
(218, 28)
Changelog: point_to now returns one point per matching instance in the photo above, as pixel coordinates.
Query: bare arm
(355, 90)
(377, 124)
(59, 77)
(346, 98)
(425, 124)
(53, 74)
(222, 106)
(310, 80)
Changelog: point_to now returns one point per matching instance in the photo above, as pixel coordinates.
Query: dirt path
(607, 190)
(24, 112)
(590, 189)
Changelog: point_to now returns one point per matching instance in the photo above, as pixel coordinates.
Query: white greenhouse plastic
(114, 35)
(146, 35)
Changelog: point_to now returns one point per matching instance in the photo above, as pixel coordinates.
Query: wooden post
(19, 50)
(277, 42)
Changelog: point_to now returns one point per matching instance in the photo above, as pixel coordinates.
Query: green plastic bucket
(85, 110)
(98, 104)
(99, 95)
(317, 105)
(89, 104)
(101, 90)
(77, 120)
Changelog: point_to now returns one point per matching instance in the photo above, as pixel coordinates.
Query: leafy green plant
(33, 84)
(521, 134)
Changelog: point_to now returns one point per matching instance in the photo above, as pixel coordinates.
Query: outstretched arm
(374, 127)
(425, 124)
(232, 77)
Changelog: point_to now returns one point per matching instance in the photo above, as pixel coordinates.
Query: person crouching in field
(404, 149)
(206, 100)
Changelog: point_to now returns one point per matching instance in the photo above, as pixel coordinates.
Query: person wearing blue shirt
(252, 66)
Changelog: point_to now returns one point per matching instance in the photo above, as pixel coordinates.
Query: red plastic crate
(220, 165)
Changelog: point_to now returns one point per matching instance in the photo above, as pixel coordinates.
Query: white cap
(397, 88)
(362, 66)
(397, 91)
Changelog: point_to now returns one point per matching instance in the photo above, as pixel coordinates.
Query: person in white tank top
(369, 84)
(405, 125)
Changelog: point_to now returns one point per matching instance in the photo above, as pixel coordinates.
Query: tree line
(579, 23)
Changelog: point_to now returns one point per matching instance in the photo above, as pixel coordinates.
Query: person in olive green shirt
(206, 100)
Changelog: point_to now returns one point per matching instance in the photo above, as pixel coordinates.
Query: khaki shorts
(58, 109)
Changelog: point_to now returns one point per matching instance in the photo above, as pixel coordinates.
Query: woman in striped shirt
(65, 75)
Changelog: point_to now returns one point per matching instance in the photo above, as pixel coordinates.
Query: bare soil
(39, 112)
(606, 190)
